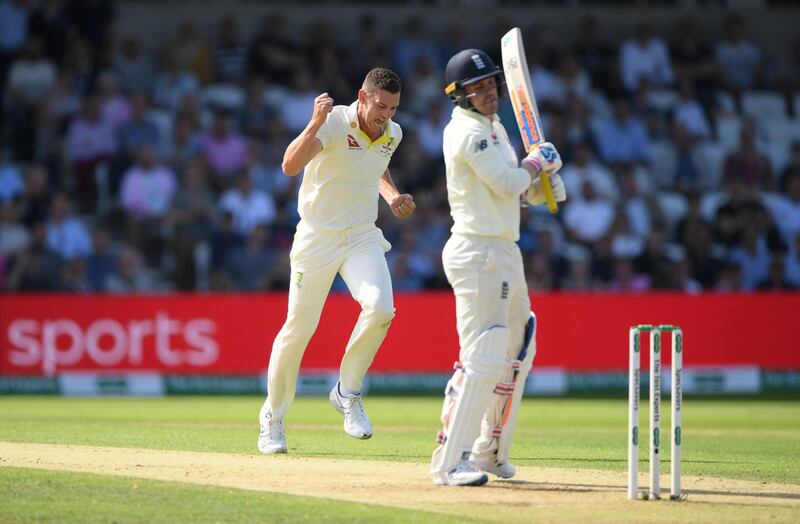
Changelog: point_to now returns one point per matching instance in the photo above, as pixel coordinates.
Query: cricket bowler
(345, 151)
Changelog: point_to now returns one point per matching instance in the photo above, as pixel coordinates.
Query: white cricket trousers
(488, 279)
(358, 254)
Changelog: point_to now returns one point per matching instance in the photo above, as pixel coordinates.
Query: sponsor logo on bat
(526, 117)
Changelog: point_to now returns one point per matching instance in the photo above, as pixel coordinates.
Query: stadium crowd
(126, 168)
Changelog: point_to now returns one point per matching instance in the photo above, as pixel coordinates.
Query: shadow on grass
(605, 488)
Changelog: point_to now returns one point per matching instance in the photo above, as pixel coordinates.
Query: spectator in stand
(430, 128)
(573, 130)
(623, 138)
(133, 68)
(573, 82)
(624, 278)
(325, 58)
(687, 176)
(14, 236)
(792, 262)
(36, 195)
(102, 262)
(79, 67)
(738, 58)
(66, 234)
(191, 219)
(579, 271)
(596, 56)
(183, 145)
(31, 78)
(272, 55)
(704, 256)
(746, 165)
(35, 267)
(645, 57)
(173, 83)
(646, 110)
(785, 207)
(249, 207)
(145, 195)
(414, 43)
(752, 256)
(682, 278)
(777, 279)
(93, 19)
(640, 209)
(588, 218)
(224, 149)
(115, 107)
(131, 275)
(787, 79)
(296, 109)
(693, 60)
(193, 53)
(689, 113)
(49, 22)
(230, 53)
(11, 184)
(248, 266)
(73, 277)
(139, 131)
(371, 50)
(224, 240)
(14, 16)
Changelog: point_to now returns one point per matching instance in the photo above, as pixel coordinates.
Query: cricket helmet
(467, 67)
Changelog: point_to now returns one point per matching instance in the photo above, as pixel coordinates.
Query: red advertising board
(232, 334)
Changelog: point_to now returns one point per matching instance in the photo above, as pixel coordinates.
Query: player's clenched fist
(403, 206)
(323, 105)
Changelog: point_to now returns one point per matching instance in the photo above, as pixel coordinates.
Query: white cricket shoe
(356, 422)
(464, 474)
(503, 470)
(272, 438)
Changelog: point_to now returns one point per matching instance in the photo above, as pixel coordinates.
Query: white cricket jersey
(341, 184)
(484, 181)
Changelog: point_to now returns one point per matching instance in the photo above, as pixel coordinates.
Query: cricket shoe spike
(503, 470)
(464, 474)
(272, 438)
(356, 421)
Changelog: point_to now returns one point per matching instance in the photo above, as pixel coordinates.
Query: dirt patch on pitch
(536, 494)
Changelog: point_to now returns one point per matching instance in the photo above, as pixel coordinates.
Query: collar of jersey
(483, 119)
(352, 116)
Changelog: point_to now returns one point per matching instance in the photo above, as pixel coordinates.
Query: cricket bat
(518, 82)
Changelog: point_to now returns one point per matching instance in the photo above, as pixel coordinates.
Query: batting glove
(535, 193)
(544, 156)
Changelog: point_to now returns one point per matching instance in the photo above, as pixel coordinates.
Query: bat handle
(548, 192)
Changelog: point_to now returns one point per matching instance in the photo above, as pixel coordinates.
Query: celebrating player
(345, 151)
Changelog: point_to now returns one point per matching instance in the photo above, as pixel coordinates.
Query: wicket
(634, 379)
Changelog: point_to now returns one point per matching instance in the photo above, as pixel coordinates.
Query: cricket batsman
(345, 151)
(483, 264)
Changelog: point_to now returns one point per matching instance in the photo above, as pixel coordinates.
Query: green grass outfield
(748, 439)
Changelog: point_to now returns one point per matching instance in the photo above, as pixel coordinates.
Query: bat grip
(544, 177)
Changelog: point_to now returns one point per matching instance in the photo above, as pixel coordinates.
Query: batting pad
(497, 427)
(467, 396)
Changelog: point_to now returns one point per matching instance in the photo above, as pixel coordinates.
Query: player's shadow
(585, 488)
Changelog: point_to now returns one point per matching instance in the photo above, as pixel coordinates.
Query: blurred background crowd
(129, 167)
